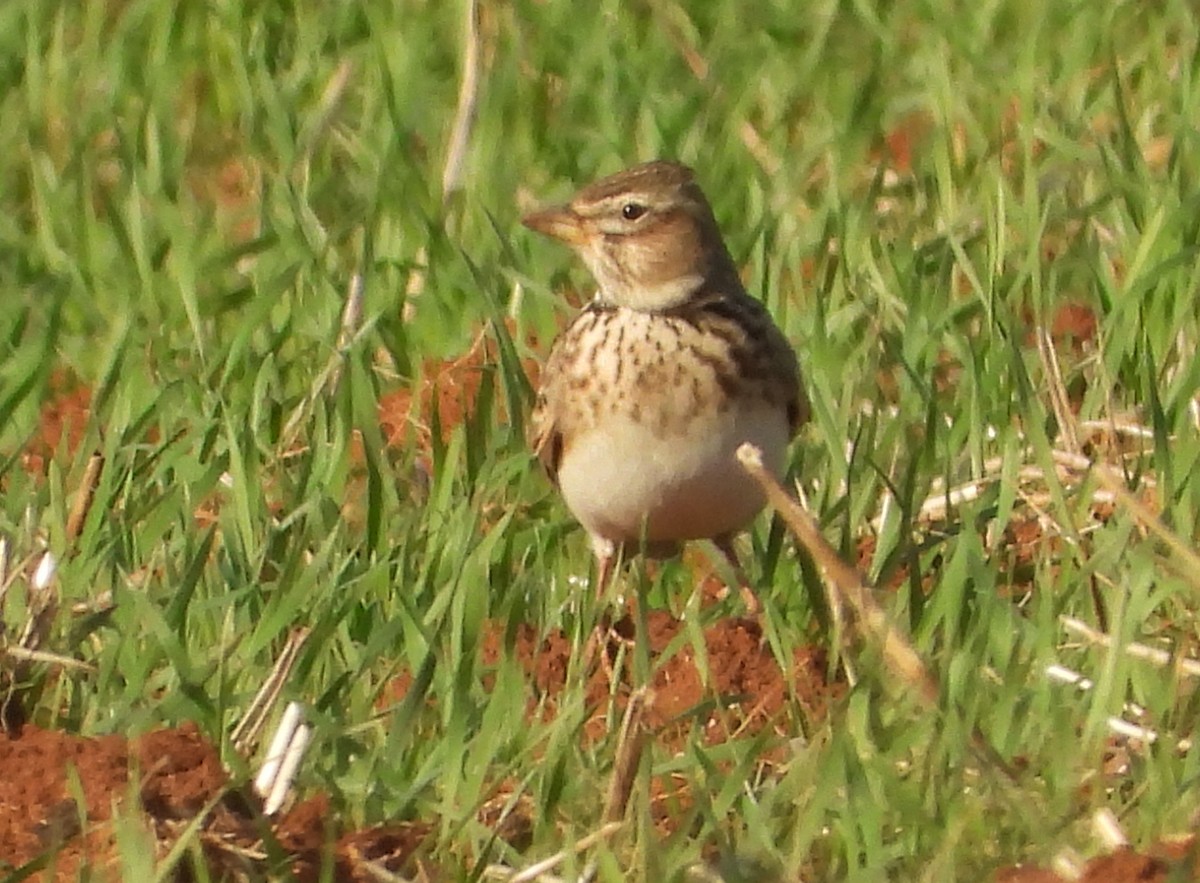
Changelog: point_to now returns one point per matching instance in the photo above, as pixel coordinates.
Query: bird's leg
(606, 564)
(724, 544)
(597, 643)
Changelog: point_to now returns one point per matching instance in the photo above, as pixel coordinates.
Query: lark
(650, 390)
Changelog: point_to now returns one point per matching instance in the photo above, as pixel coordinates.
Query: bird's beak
(559, 223)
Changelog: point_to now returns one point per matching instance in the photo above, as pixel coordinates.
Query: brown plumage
(654, 385)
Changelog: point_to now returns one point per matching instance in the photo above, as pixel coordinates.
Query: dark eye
(631, 211)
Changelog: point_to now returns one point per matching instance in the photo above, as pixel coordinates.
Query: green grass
(118, 267)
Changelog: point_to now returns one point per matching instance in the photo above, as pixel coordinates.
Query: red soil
(178, 773)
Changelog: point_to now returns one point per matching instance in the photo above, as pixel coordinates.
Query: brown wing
(544, 437)
(758, 346)
(772, 357)
(555, 416)
(799, 408)
(546, 428)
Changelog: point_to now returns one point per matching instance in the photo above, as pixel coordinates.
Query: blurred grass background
(186, 193)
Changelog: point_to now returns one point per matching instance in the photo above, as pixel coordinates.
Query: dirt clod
(179, 776)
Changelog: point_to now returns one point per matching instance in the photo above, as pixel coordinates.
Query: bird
(649, 391)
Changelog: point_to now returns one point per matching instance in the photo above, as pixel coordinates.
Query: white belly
(621, 479)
